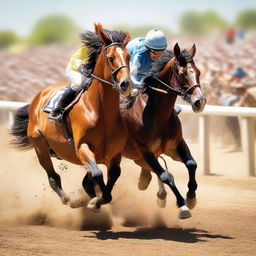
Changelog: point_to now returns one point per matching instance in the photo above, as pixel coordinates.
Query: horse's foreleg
(114, 172)
(86, 156)
(42, 150)
(168, 179)
(89, 185)
(186, 157)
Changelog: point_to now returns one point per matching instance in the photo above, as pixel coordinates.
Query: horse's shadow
(169, 234)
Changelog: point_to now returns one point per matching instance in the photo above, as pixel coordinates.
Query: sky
(21, 15)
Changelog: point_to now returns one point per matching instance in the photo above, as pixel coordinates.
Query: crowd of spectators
(228, 69)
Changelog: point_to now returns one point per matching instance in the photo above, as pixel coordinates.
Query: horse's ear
(192, 51)
(127, 38)
(176, 50)
(99, 30)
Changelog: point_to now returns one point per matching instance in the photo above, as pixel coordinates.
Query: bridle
(183, 93)
(113, 82)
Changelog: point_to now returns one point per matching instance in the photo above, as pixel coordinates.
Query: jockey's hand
(82, 69)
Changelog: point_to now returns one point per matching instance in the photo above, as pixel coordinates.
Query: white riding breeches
(75, 78)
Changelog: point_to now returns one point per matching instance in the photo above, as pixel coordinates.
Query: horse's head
(117, 58)
(187, 76)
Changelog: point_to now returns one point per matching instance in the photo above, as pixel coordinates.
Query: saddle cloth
(54, 99)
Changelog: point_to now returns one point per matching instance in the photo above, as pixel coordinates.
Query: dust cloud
(27, 198)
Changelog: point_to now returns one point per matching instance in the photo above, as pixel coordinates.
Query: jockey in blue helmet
(143, 51)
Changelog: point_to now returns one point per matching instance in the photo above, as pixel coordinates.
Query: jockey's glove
(82, 69)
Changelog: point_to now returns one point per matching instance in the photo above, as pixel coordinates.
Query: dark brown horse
(94, 122)
(154, 127)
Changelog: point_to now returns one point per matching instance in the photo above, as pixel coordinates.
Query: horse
(154, 127)
(95, 123)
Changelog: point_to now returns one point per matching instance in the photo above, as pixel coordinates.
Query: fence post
(248, 136)
(11, 118)
(204, 138)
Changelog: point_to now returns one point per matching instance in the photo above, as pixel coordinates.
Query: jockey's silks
(79, 57)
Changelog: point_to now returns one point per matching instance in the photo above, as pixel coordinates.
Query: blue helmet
(156, 40)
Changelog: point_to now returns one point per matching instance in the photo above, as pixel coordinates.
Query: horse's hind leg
(161, 194)
(144, 179)
(168, 179)
(42, 150)
(186, 157)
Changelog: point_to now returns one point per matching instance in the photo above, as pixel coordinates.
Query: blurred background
(37, 38)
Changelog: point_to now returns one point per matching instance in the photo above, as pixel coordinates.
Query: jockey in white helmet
(143, 51)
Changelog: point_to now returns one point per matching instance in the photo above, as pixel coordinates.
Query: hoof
(143, 184)
(92, 205)
(184, 212)
(161, 202)
(191, 203)
(77, 203)
(162, 195)
(65, 199)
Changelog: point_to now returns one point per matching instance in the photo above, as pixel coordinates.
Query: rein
(112, 72)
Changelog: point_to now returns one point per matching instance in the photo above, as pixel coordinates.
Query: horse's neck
(161, 104)
(103, 99)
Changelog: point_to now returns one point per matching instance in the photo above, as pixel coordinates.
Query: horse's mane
(167, 55)
(94, 43)
(185, 58)
(160, 62)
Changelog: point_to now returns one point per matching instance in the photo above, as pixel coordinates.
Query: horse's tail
(19, 129)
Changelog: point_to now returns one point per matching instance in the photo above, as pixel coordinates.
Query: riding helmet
(156, 40)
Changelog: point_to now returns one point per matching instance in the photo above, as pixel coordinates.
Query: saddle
(61, 120)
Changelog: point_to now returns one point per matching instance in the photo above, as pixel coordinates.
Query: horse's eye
(111, 59)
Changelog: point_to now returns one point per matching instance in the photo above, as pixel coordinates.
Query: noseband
(114, 84)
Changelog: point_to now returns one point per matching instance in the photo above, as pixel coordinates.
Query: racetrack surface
(34, 222)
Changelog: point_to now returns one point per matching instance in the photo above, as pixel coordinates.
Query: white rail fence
(247, 115)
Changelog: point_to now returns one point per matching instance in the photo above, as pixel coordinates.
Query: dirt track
(33, 221)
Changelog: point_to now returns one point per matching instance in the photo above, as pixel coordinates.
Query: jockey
(143, 51)
(77, 79)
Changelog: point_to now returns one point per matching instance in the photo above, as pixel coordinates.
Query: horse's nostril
(197, 103)
(124, 85)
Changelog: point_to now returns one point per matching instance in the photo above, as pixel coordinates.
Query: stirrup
(57, 117)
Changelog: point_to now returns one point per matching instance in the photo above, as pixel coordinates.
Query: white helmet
(156, 40)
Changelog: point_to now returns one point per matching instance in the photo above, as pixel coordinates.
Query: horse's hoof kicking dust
(92, 205)
(65, 199)
(77, 203)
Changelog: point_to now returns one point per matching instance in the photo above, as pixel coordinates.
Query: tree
(7, 38)
(55, 28)
(212, 21)
(191, 23)
(194, 23)
(246, 19)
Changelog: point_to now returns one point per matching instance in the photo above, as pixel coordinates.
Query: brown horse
(154, 127)
(95, 122)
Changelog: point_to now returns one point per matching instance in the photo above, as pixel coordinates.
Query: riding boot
(66, 98)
